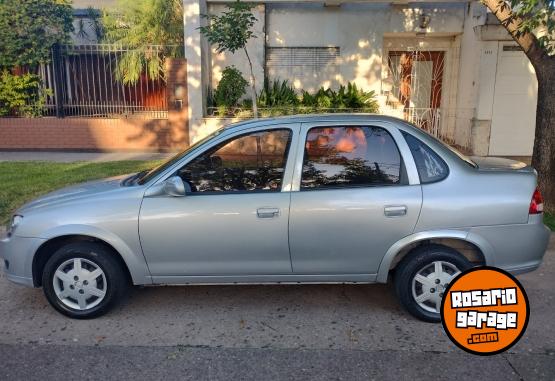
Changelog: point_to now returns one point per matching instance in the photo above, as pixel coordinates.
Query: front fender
(461, 234)
(129, 249)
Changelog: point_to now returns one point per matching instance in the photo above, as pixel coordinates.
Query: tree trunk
(253, 86)
(543, 157)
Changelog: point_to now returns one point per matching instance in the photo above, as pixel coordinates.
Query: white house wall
(357, 29)
(469, 88)
(363, 32)
(255, 48)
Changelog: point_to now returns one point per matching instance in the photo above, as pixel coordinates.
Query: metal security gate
(81, 82)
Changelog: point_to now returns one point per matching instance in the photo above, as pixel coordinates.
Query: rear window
(431, 168)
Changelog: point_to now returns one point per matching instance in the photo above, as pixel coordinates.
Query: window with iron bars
(306, 68)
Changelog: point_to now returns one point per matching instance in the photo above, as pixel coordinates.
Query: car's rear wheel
(83, 280)
(422, 277)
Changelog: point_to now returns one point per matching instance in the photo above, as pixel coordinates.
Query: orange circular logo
(485, 310)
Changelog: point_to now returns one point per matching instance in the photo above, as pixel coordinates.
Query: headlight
(16, 219)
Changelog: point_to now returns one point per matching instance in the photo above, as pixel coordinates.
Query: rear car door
(355, 193)
(233, 220)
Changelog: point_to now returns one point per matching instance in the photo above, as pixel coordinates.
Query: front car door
(355, 193)
(233, 220)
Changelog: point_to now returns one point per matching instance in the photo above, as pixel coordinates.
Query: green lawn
(23, 181)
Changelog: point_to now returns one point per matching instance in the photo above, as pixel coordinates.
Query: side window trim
(394, 134)
(287, 172)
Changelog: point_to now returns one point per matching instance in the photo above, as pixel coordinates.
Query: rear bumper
(515, 248)
(17, 257)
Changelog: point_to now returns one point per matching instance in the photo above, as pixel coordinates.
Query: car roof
(305, 118)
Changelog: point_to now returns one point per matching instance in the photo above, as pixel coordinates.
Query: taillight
(536, 205)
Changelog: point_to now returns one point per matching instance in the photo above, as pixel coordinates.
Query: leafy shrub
(353, 98)
(21, 95)
(277, 93)
(345, 98)
(28, 29)
(231, 88)
(324, 98)
(279, 98)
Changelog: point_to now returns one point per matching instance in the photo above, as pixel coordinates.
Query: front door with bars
(417, 80)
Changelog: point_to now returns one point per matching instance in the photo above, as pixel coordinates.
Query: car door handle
(395, 210)
(267, 212)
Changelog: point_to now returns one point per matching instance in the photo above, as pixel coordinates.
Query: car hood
(500, 164)
(74, 192)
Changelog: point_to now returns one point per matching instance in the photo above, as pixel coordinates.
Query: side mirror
(174, 186)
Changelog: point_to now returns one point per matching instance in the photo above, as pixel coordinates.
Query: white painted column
(192, 11)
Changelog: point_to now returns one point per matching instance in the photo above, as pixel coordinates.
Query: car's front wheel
(422, 277)
(83, 280)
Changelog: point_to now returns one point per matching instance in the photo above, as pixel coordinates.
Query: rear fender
(397, 247)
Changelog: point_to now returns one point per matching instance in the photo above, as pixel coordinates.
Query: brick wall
(93, 134)
(99, 134)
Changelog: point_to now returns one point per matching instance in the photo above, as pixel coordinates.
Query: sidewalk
(66, 157)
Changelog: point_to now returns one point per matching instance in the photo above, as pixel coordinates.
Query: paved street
(261, 332)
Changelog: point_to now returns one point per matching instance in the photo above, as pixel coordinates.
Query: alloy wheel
(430, 282)
(80, 284)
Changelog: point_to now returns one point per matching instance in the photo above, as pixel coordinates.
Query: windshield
(146, 176)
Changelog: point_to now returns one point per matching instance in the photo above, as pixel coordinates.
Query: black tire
(413, 263)
(101, 256)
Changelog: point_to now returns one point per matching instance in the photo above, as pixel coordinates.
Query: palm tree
(150, 30)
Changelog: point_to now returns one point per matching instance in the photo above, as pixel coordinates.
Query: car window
(350, 156)
(430, 166)
(251, 162)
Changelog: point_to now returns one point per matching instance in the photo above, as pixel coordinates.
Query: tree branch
(527, 41)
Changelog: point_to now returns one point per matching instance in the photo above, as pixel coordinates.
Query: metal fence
(81, 82)
(428, 119)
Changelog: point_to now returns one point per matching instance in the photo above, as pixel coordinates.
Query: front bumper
(17, 257)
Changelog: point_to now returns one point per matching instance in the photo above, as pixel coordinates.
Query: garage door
(514, 104)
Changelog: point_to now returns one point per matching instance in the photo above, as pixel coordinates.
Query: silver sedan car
(306, 199)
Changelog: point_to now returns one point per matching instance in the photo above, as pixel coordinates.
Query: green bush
(345, 98)
(231, 88)
(277, 93)
(279, 96)
(28, 29)
(21, 95)
(353, 98)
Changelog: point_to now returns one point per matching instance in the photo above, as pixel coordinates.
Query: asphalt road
(261, 332)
